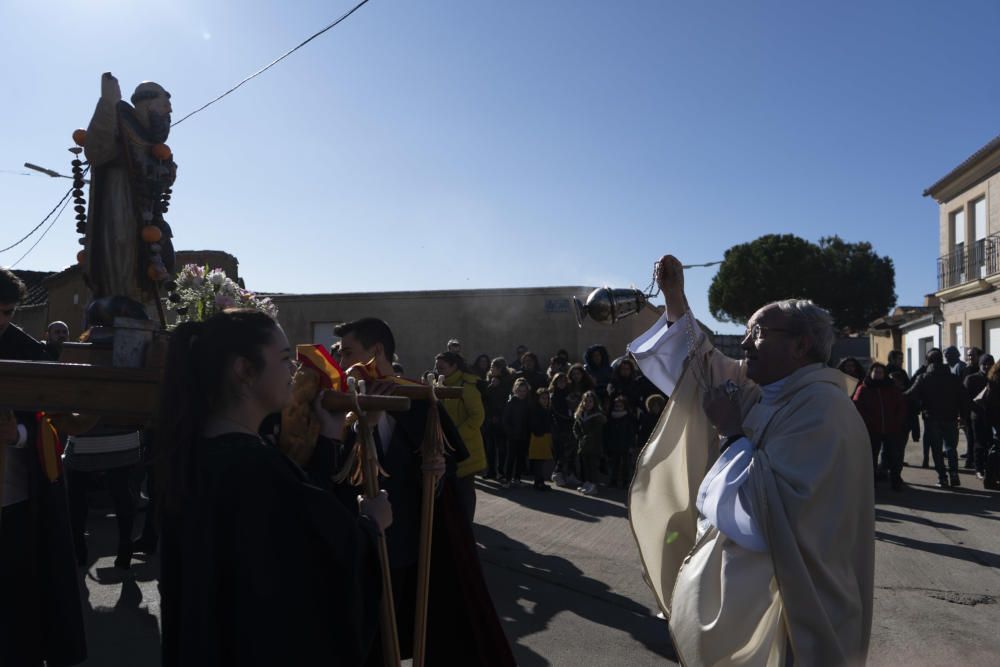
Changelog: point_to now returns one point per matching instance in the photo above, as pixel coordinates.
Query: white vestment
(793, 565)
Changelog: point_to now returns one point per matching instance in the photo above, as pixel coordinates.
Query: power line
(39, 240)
(271, 64)
(199, 109)
(39, 225)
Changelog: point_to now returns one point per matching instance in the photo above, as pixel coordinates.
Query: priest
(752, 505)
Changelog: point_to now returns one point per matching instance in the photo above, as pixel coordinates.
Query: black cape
(463, 626)
(260, 567)
(41, 617)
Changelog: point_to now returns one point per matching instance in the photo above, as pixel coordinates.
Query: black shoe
(970, 464)
(955, 481)
(897, 484)
(942, 483)
(925, 465)
(123, 561)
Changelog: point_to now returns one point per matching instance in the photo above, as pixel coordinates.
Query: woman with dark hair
(624, 383)
(851, 366)
(259, 567)
(580, 381)
(588, 427)
(481, 366)
(598, 366)
(499, 383)
(532, 374)
(563, 442)
(884, 410)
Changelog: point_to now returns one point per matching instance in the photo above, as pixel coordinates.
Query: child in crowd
(540, 447)
(648, 418)
(517, 427)
(619, 441)
(588, 427)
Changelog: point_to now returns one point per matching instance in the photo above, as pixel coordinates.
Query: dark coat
(940, 395)
(882, 406)
(259, 567)
(517, 418)
(620, 434)
(41, 616)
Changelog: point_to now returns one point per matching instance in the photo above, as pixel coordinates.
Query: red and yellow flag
(49, 447)
(331, 375)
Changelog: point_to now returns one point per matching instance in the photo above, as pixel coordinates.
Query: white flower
(216, 277)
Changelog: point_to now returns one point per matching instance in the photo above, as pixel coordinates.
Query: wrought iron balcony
(968, 264)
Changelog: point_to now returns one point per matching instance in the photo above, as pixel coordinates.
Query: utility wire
(271, 64)
(199, 109)
(39, 225)
(39, 239)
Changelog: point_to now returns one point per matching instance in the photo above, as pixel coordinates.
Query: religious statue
(128, 248)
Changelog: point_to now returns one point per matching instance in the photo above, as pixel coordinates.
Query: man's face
(58, 333)
(972, 357)
(353, 352)
(779, 351)
(456, 348)
(951, 356)
(6, 315)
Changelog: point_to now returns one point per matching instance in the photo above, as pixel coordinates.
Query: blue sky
(497, 144)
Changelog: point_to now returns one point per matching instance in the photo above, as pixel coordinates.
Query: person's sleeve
(662, 350)
(724, 502)
(475, 413)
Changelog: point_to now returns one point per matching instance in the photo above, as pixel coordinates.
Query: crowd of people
(576, 424)
(945, 395)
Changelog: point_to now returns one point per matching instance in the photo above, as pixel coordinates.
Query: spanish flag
(49, 447)
(331, 375)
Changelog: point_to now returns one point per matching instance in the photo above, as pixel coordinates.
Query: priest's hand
(331, 425)
(110, 90)
(670, 280)
(378, 509)
(722, 407)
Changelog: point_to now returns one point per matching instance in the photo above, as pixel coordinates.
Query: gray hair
(812, 321)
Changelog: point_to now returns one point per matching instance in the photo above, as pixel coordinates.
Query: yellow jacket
(468, 414)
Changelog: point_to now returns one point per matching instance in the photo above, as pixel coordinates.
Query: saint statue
(128, 243)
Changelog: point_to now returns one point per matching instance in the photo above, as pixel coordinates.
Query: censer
(609, 305)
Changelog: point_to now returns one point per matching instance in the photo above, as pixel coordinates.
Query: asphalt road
(566, 581)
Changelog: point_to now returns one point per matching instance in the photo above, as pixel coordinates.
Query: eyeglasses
(755, 332)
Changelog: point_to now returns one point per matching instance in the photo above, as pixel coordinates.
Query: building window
(985, 255)
(958, 246)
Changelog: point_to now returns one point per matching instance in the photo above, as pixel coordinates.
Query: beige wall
(490, 322)
(881, 345)
(990, 188)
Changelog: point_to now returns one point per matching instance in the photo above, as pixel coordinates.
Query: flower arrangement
(202, 292)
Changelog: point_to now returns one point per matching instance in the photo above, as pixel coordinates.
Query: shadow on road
(529, 589)
(125, 634)
(971, 499)
(949, 550)
(887, 516)
(572, 505)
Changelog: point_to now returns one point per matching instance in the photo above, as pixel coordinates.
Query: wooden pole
(432, 455)
(387, 621)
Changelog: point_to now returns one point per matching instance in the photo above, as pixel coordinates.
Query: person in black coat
(258, 565)
(41, 615)
(517, 426)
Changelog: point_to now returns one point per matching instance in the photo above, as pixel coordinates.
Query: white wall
(913, 349)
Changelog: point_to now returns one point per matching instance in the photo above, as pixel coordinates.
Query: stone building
(486, 321)
(969, 239)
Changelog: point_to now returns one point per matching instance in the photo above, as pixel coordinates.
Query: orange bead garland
(161, 151)
(79, 137)
(151, 234)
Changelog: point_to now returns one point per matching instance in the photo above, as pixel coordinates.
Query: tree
(849, 279)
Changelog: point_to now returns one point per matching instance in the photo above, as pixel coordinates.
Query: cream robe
(811, 493)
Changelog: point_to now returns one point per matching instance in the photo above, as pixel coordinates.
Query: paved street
(565, 578)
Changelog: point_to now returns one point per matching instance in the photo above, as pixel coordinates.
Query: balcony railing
(965, 265)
